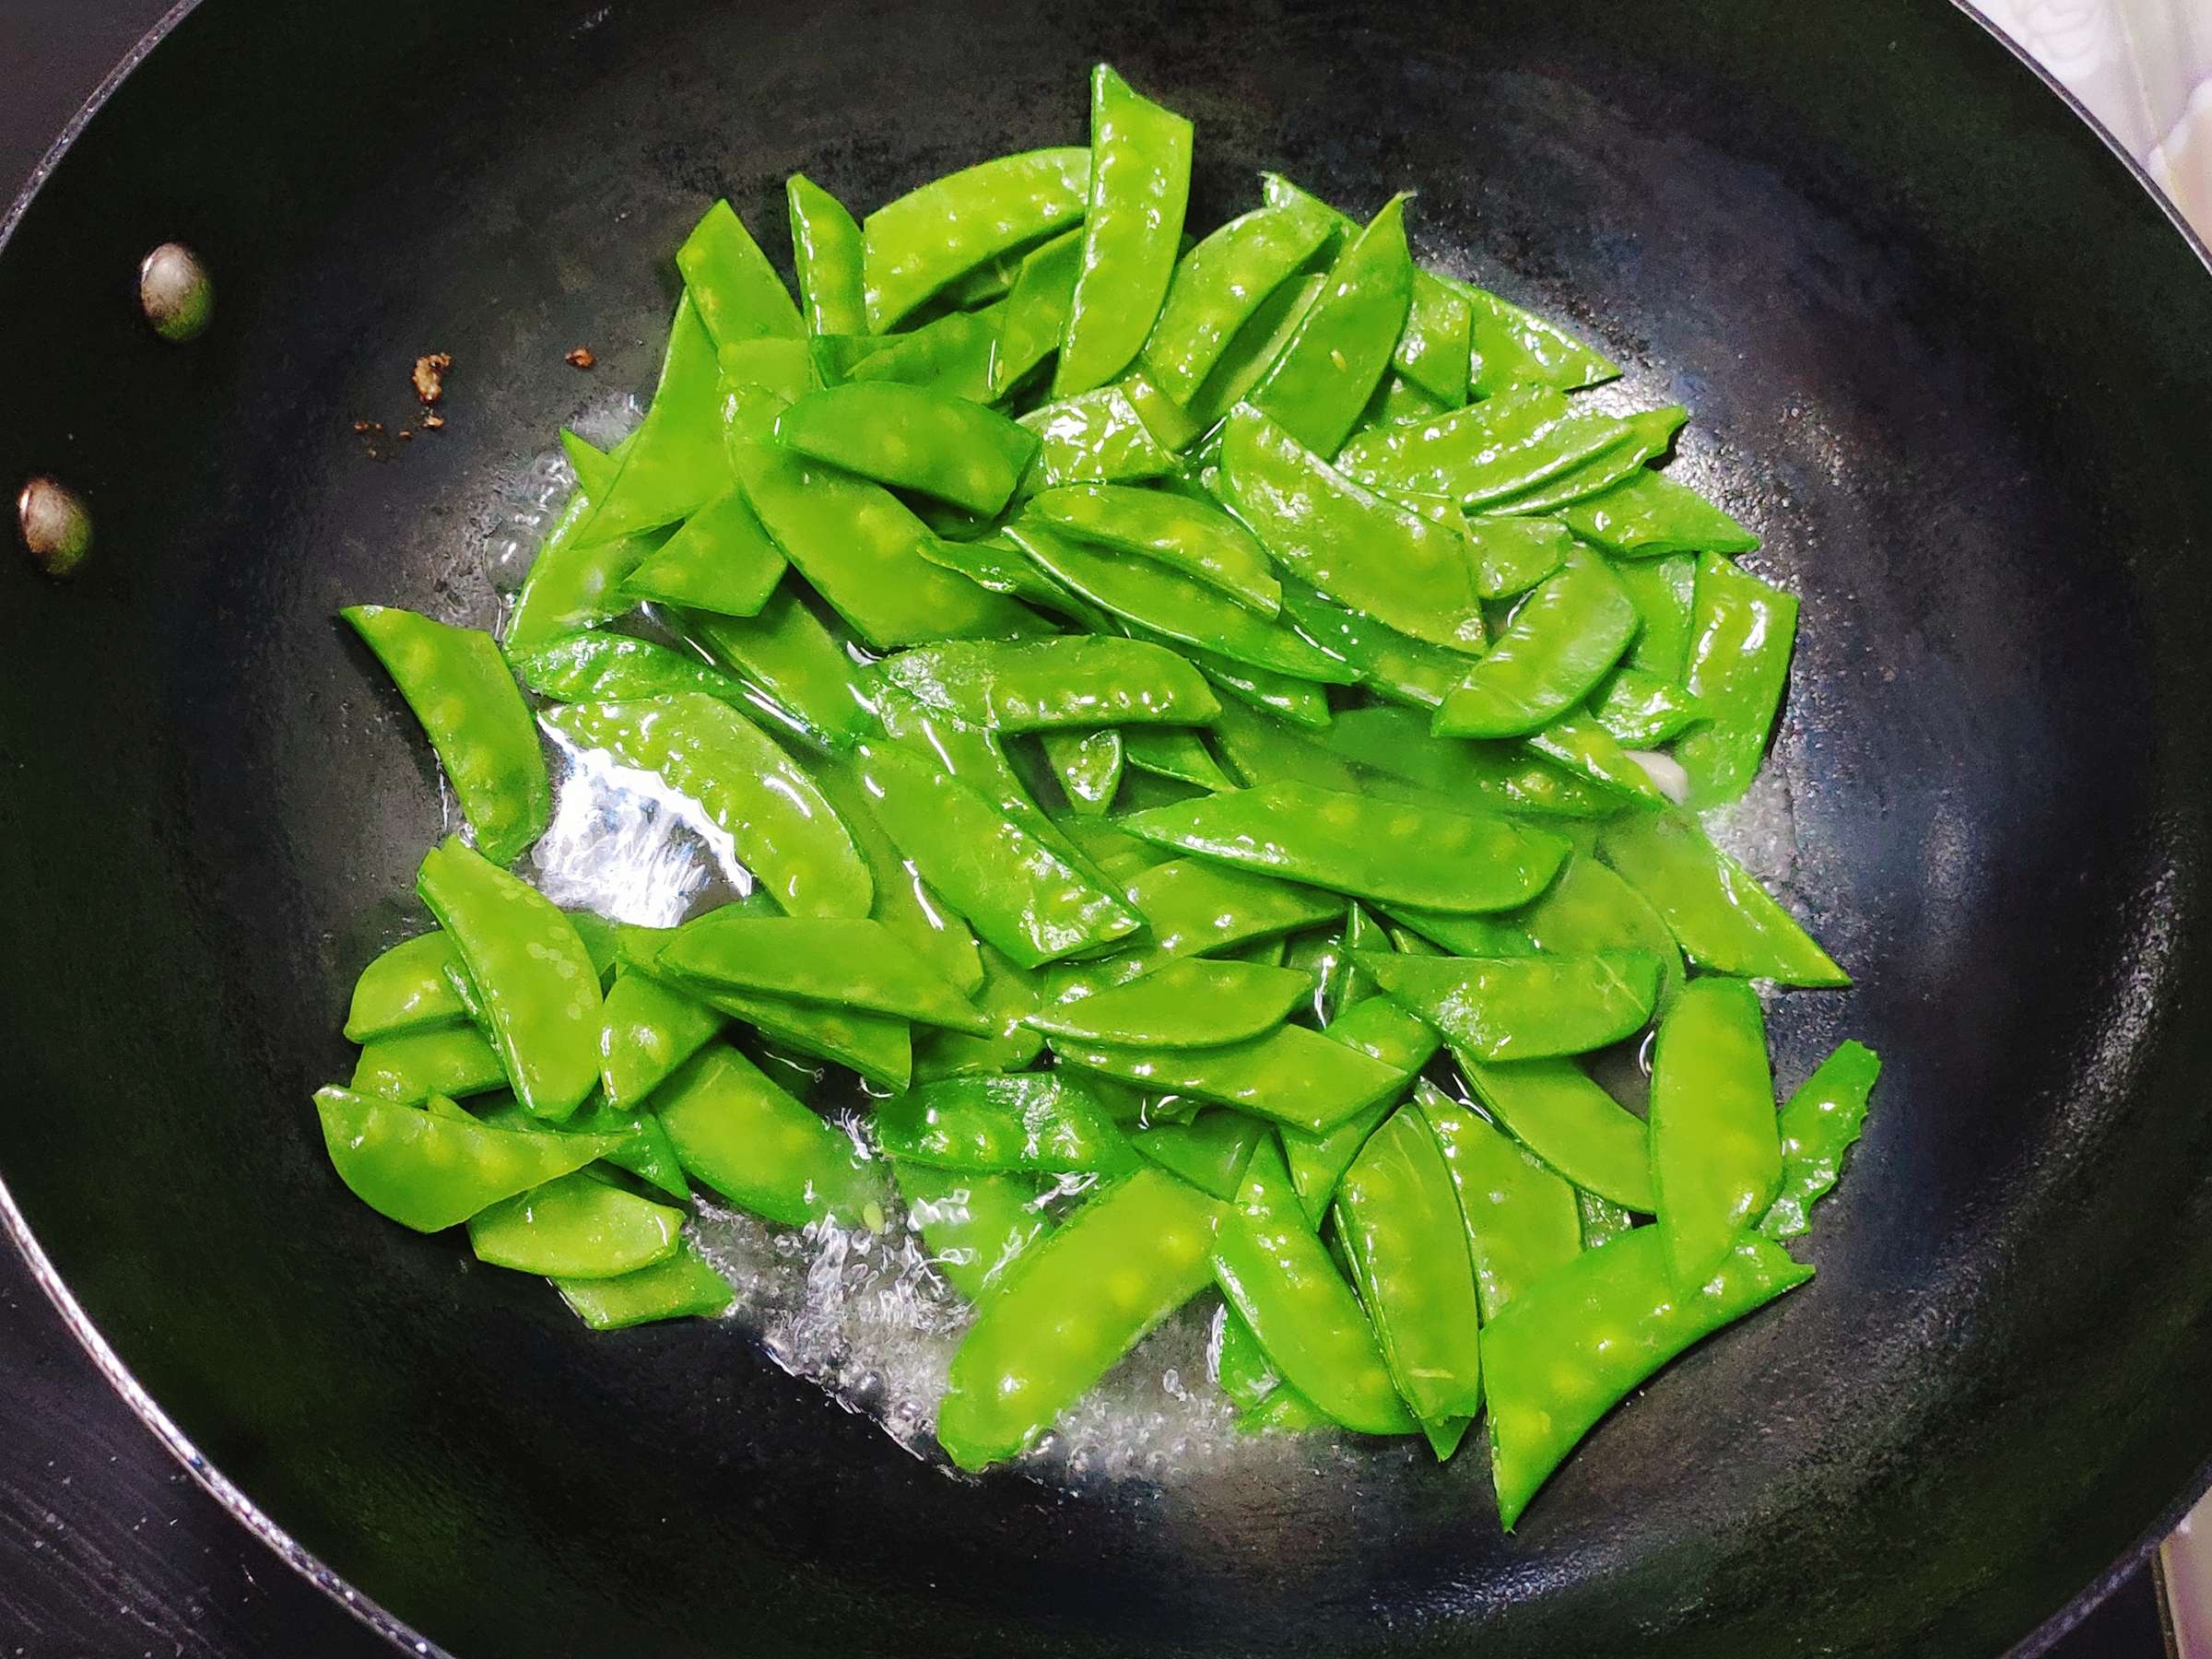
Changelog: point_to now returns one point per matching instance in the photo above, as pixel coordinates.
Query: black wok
(1943, 351)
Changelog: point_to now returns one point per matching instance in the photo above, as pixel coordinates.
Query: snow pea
(849, 962)
(784, 649)
(932, 236)
(720, 560)
(1511, 555)
(759, 1148)
(1644, 436)
(1398, 398)
(1094, 437)
(575, 1227)
(1664, 591)
(1171, 422)
(1400, 1221)
(1299, 703)
(1639, 709)
(973, 1224)
(1317, 1162)
(1648, 514)
(951, 355)
(434, 1060)
(1739, 666)
(1521, 1218)
(1278, 1275)
(1071, 681)
(1210, 1151)
(458, 686)
(1171, 752)
(1188, 536)
(1007, 996)
(1389, 663)
(1583, 1337)
(434, 1171)
(912, 437)
(1029, 325)
(1036, 1123)
(783, 369)
(1578, 742)
(1020, 896)
(1319, 955)
(831, 258)
(1524, 1008)
(1716, 1149)
(1285, 1410)
(647, 1029)
(1721, 916)
(1366, 848)
(996, 563)
(1291, 1075)
(1588, 908)
(1140, 185)
(684, 1286)
(778, 823)
(675, 462)
(1163, 601)
(539, 988)
(903, 901)
(1819, 1125)
(572, 585)
(1603, 1220)
(1088, 1294)
(1488, 451)
(1256, 347)
(1195, 908)
(1239, 1364)
(737, 292)
(1379, 1029)
(1397, 742)
(875, 1045)
(598, 666)
(1188, 1004)
(643, 1150)
(1516, 348)
(1554, 1109)
(1321, 381)
(594, 468)
(1089, 765)
(1221, 282)
(404, 989)
(1365, 551)
(1559, 645)
(1434, 352)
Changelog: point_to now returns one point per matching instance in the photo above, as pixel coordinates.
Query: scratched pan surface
(1942, 350)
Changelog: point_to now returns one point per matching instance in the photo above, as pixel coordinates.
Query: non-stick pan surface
(1943, 352)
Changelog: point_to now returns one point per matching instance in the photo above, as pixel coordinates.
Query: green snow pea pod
(1299, 703)
(1278, 1275)
(1639, 709)
(1557, 648)
(434, 1060)
(1316, 388)
(647, 1029)
(737, 292)
(1739, 666)
(1291, 1075)
(1388, 851)
(1172, 752)
(720, 561)
(1819, 1125)
(1398, 744)
(571, 583)
(1140, 185)
(1255, 349)
(1398, 398)
(1094, 437)
(1210, 1151)
(1581, 1339)
(458, 686)
(1418, 932)
(912, 437)
(1117, 857)
(903, 901)
(1317, 1162)
(1240, 1365)
(774, 815)
(1089, 1293)
(404, 989)
(1580, 743)
(797, 664)
(1400, 1221)
(1189, 536)
(433, 1171)
(1521, 1218)
(594, 468)
(827, 247)
(1488, 451)
(1381, 1031)
(1031, 322)
(1165, 602)
(1020, 896)
(1554, 1109)
(1355, 546)
(1070, 680)
(1284, 1410)
(1511, 555)
(875, 1045)
(1171, 422)
(1319, 955)
(575, 1227)
(1037, 1123)
(930, 237)
(684, 1286)
(1716, 1148)
(1008, 994)
(1196, 908)
(851, 962)
(1188, 1004)
(1644, 436)
(673, 464)
(1089, 765)
(783, 369)
(1588, 908)
(973, 1224)
(1524, 1008)
(1648, 514)
(1259, 750)
(597, 667)
(1721, 916)
(1219, 284)
(951, 355)
(1389, 663)
(644, 1150)
(1603, 1220)
(1433, 353)
(759, 1148)
(1665, 591)
(996, 564)
(1516, 348)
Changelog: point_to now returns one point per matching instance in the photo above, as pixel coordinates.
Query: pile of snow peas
(1216, 730)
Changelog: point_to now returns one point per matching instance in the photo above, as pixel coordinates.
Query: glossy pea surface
(1555, 1109)
(1045, 1123)
(682, 1285)
(721, 559)
(455, 1059)
(1742, 632)
(647, 1029)
(1291, 1075)
(1072, 680)
(738, 294)
(1007, 994)
(1172, 752)
(913, 437)
(1716, 910)
(1089, 765)
(404, 989)
(1819, 1124)
(1184, 534)
(851, 962)
(1389, 663)
(975, 1224)
(1221, 282)
(903, 901)
(1185, 1003)
(738, 1133)
(932, 235)
(1559, 644)
(831, 257)
(599, 666)
(1344, 341)
(787, 653)
(1514, 346)
(675, 464)
(1578, 742)
(1647, 514)
(1522, 1220)
(1094, 437)
(1524, 1008)
(1588, 908)
(1716, 1148)
(1210, 1151)
(575, 1227)
(1027, 328)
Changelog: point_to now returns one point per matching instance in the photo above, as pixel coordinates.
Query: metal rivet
(175, 292)
(55, 525)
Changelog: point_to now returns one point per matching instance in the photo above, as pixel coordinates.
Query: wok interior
(1937, 348)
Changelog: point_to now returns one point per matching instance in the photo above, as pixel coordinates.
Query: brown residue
(430, 376)
(582, 358)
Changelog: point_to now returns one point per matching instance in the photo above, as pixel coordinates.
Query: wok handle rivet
(56, 526)
(175, 292)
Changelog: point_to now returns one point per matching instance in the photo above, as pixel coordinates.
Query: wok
(1942, 350)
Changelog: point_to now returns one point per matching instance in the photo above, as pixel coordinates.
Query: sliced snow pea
(1316, 388)
(1163, 601)
(1603, 1220)
(846, 961)
(1398, 398)
(1140, 185)
(538, 985)
(1195, 908)
(759, 1148)
(433, 1171)
(1278, 1275)
(797, 664)
(951, 355)
(673, 464)
(1739, 666)
(831, 256)
(1300, 702)
(1716, 1148)
(1087, 1293)
(1579, 742)
(1818, 1125)
(1648, 514)
(1029, 325)
(1240, 1365)
(433, 1060)
(1665, 591)
(1559, 645)
(875, 1045)
(912, 437)
(975, 1224)
(1511, 555)
(1007, 996)
(903, 901)
(1389, 663)
(572, 584)
(682, 1287)
(458, 686)
(1554, 1109)
(648, 1029)
(575, 1227)
(1388, 851)
(1169, 421)
(1071, 681)
(1219, 284)
(644, 1150)
(1644, 436)
(1210, 1151)
(594, 468)
(1521, 1218)
(1353, 544)
(996, 563)
(1255, 348)
(1183, 1005)
(1524, 1008)
(1094, 437)
(1037, 1123)
(1171, 752)
(1639, 709)
(1433, 352)
(737, 292)
(598, 666)
(1089, 765)
(1400, 1221)
(933, 235)
(1488, 451)
(1721, 916)
(780, 368)
(1291, 1075)
(1398, 744)
(1189, 536)
(1516, 348)
(1319, 955)
(1581, 1338)
(720, 560)
(1589, 908)
(404, 989)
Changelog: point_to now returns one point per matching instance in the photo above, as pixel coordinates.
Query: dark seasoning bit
(428, 381)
